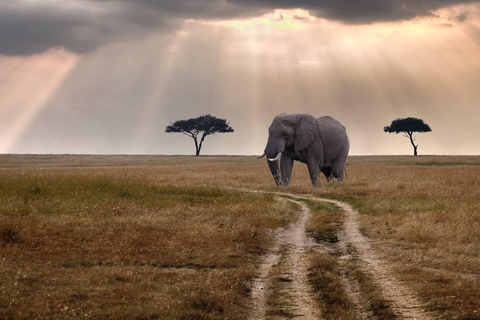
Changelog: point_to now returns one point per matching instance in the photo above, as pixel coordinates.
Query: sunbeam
(27, 88)
(162, 71)
(119, 97)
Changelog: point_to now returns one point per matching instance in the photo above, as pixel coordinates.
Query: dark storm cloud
(25, 31)
(79, 26)
(28, 27)
(362, 11)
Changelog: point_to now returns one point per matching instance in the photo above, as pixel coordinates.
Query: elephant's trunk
(273, 152)
(273, 165)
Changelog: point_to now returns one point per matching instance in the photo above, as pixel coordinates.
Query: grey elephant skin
(320, 143)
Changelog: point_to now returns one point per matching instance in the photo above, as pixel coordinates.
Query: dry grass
(425, 220)
(96, 243)
(422, 215)
(155, 237)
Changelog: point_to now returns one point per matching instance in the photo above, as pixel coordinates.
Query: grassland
(158, 236)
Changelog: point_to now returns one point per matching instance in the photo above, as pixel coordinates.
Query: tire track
(296, 244)
(402, 300)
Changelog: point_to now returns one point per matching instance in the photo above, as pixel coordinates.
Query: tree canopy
(408, 126)
(202, 126)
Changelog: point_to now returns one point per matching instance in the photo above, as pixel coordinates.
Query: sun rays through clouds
(118, 97)
(25, 88)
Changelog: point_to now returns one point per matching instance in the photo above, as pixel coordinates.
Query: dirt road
(287, 261)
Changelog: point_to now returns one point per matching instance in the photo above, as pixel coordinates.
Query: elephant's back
(335, 139)
(329, 125)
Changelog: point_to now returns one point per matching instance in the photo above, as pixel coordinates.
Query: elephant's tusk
(276, 158)
(263, 155)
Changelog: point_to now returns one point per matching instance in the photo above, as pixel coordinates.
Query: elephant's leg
(337, 170)
(338, 166)
(286, 165)
(314, 171)
(327, 171)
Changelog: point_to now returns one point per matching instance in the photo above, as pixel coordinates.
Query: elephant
(320, 143)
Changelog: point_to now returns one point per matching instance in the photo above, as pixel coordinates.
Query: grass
(424, 220)
(95, 244)
(157, 237)
(10, 231)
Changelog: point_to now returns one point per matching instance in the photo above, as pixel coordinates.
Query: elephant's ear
(307, 130)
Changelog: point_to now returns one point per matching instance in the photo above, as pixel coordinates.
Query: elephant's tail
(345, 170)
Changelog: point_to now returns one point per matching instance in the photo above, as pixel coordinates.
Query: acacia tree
(199, 128)
(408, 126)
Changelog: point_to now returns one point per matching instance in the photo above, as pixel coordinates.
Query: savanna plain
(178, 237)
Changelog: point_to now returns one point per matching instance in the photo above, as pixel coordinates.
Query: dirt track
(402, 301)
(289, 251)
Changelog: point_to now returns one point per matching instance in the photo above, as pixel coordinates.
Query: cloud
(462, 17)
(364, 11)
(28, 26)
(120, 98)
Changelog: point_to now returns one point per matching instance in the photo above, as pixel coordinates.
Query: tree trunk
(200, 145)
(410, 135)
(197, 149)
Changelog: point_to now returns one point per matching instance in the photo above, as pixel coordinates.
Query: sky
(108, 76)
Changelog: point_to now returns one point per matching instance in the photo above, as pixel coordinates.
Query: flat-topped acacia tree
(200, 127)
(408, 126)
